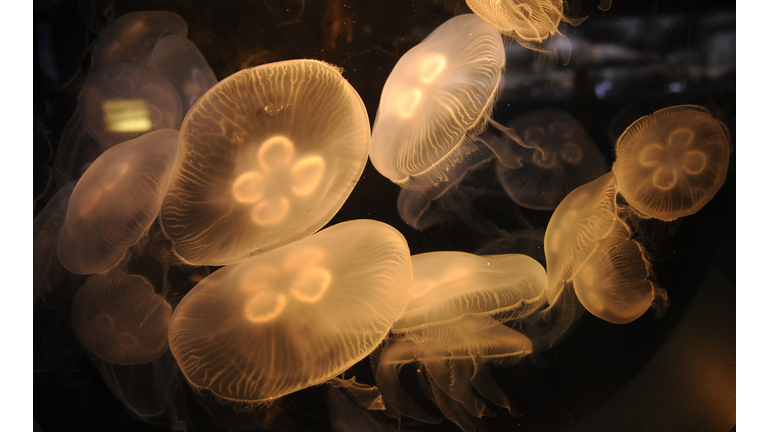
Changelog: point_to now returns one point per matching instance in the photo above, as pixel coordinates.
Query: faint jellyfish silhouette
(555, 156)
(529, 22)
(525, 241)
(264, 162)
(46, 268)
(120, 319)
(132, 37)
(605, 5)
(433, 104)
(293, 317)
(122, 101)
(180, 62)
(452, 328)
(116, 201)
(671, 163)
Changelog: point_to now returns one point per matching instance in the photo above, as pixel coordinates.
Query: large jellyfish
(116, 201)
(120, 319)
(267, 157)
(671, 163)
(293, 317)
(589, 247)
(452, 328)
(555, 156)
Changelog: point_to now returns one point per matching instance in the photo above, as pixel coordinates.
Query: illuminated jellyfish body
(122, 101)
(452, 328)
(671, 163)
(529, 22)
(434, 102)
(181, 63)
(554, 156)
(120, 319)
(293, 317)
(116, 201)
(132, 37)
(588, 246)
(267, 157)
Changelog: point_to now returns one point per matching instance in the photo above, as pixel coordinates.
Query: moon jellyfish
(120, 319)
(588, 246)
(530, 22)
(293, 317)
(116, 201)
(438, 94)
(46, 227)
(132, 37)
(267, 157)
(452, 328)
(181, 63)
(122, 101)
(555, 156)
(671, 163)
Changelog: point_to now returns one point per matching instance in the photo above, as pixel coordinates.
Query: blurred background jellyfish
(554, 156)
(46, 267)
(293, 317)
(529, 22)
(671, 163)
(267, 157)
(452, 328)
(120, 319)
(116, 201)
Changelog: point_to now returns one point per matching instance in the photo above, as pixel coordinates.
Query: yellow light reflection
(127, 115)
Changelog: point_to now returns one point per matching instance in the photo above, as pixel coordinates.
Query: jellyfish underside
(320, 304)
(269, 167)
(671, 163)
(120, 319)
(457, 378)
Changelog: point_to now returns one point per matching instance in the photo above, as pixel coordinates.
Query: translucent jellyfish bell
(293, 317)
(122, 101)
(132, 37)
(120, 319)
(439, 94)
(555, 154)
(671, 163)
(267, 157)
(116, 201)
(451, 285)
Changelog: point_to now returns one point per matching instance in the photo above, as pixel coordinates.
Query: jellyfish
(132, 37)
(46, 226)
(554, 156)
(452, 327)
(529, 22)
(120, 319)
(181, 63)
(434, 102)
(267, 157)
(295, 316)
(116, 201)
(587, 246)
(122, 101)
(671, 163)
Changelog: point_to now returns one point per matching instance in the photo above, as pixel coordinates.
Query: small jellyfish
(671, 163)
(451, 328)
(116, 201)
(589, 247)
(529, 22)
(439, 93)
(181, 63)
(267, 157)
(555, 155)
(295, 316)
(120, 319)
(132, 37)
(122, 101)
